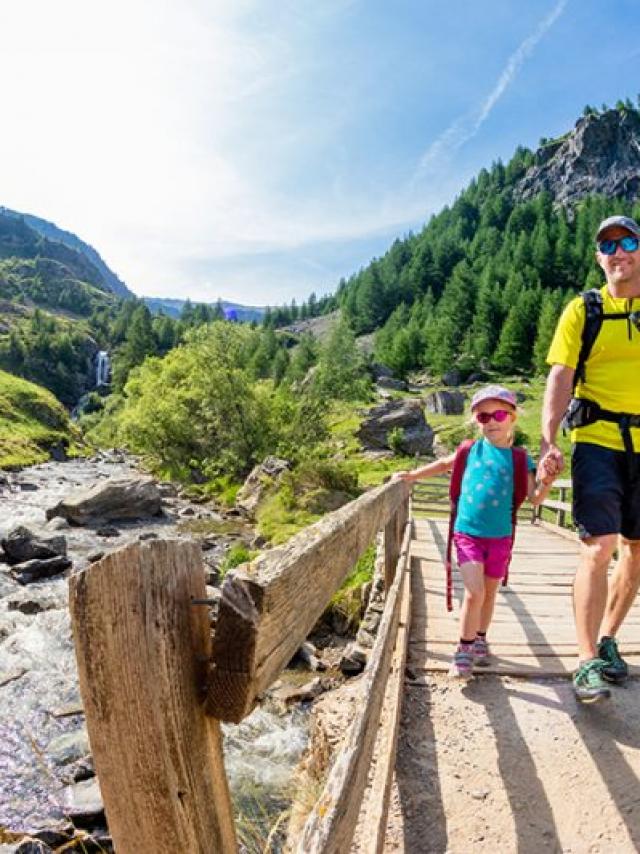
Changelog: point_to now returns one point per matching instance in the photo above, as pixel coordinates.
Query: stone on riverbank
(115, 498)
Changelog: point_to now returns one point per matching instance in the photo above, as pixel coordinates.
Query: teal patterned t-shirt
(486, 496)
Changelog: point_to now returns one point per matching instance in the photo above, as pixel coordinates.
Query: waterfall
(103, 368)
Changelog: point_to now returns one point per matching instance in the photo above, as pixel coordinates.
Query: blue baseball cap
(618, 222)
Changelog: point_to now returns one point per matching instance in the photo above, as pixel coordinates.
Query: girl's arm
(440, 466)
(538, 489)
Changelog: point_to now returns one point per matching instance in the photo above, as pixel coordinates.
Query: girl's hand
(401, 475)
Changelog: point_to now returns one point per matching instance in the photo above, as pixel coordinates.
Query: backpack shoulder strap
(520, 490)
(459, 465)
(520, 476)
(593, 316)
(455, 485)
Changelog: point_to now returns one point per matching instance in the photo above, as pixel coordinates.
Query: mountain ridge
(51, 232)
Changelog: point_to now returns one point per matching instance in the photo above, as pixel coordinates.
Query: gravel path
(509, 765)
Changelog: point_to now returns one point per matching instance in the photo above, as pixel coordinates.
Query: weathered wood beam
(331, 825)
(269, 606)
(142, 649)
(372, 822)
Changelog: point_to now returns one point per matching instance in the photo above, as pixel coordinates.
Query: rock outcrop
(261, 478)
(601, 155)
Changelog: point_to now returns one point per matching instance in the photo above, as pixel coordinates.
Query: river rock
(115, 498)
(26, 846)
(261, 478)
(23, 544)
(36, 570)
(306, 654)
(286, 695)
(83, 803)
(405, 415)
(445, 402)
(353, 661)
(69, 747)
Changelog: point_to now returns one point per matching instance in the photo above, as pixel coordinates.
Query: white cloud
(171, 134)
(466, 127)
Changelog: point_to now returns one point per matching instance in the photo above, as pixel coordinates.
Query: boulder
(453, 377)
(37, 569)
(405, 415)
(391, 383)
(23, 544)
(115, 498)
(445, 402)
(261, 478)
(379, 370)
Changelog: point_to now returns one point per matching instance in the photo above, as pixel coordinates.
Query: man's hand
(551, 463)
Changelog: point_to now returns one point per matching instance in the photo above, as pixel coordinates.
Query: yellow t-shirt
(612, 370)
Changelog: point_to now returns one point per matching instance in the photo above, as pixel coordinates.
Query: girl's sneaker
(462, 664)
(481, 652)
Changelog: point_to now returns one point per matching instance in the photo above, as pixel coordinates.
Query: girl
(483, 528)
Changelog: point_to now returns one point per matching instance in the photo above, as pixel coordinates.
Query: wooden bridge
(155, 685)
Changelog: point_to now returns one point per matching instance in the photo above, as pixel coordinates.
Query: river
(43, 743)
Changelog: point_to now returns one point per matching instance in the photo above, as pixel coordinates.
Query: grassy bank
(31, 422)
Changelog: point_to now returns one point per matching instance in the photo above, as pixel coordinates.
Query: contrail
(466, 127)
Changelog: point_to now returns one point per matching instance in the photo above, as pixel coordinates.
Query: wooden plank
(260, 625)
(552, 666)
(140, 645)
(372, 822)
(331, 824)
(551, 504)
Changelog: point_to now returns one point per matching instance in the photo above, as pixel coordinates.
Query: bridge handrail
(143, 645)
(257, 629)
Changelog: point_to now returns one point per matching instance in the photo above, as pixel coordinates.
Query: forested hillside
(482, 284)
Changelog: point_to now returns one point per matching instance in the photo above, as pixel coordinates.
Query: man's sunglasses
(626, 243)
(499, 415)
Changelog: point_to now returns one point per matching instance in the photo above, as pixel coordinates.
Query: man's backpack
(520, 490)
(594, 317)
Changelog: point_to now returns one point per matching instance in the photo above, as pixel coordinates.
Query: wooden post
(142, 649)
(391, 550)
(393, 534)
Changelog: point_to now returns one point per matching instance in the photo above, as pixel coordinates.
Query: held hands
(551, 464)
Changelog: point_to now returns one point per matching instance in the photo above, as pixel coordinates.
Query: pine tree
(549, 314)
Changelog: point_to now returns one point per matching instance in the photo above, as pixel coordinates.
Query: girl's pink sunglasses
(500, 415)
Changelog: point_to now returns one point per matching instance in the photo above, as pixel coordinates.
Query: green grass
(31, 421)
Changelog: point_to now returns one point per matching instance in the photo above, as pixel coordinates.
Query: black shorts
(606, 494)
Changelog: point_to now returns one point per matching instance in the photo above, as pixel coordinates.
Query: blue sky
(256, 151)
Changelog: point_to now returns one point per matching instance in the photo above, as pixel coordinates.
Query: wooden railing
(431, 497)
(154, 685)
(560, 506)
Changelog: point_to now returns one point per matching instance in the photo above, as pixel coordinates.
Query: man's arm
(556, 399)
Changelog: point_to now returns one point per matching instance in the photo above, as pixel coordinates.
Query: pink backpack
(520, 490)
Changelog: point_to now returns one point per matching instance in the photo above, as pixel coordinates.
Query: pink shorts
(492, 552)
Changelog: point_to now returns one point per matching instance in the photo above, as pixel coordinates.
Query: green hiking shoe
(588, 683)
(615, 667)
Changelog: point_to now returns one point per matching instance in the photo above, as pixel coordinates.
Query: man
(605, 421)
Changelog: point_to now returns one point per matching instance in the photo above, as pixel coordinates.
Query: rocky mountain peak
(600, 155)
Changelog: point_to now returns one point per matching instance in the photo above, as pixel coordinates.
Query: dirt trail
(510, 765)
